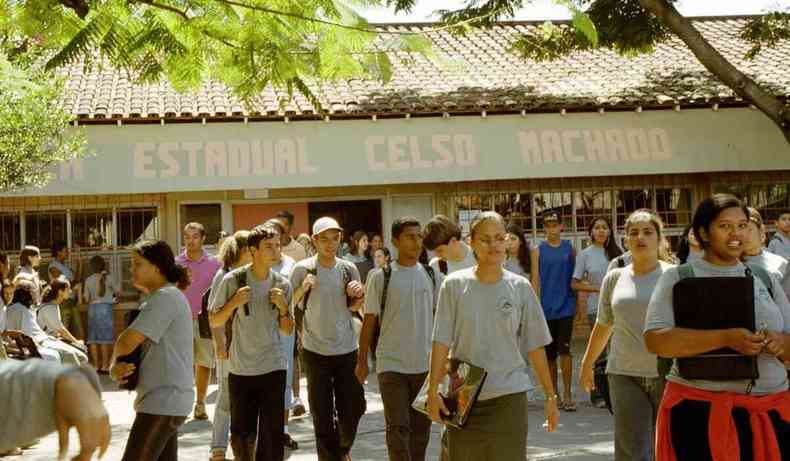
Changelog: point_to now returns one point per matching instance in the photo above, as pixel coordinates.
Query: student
(555, 260)
(376, 243)
(259, 311)
(688, 248)
(29, 260)
(519, 255)
(486, 316)
(337, 400)
(58, 267)
(780, 242)
(381, 258)
(20, 317)
(754, 254)
(360, 254)
(202, 267)
(409, 292)
(443, 237)
(100, 292)
(593, 261)
(634, 384)
(234, 253)
(703, 419)
(307, 243)
(289, 246)
(49, 312)
(8, 293)
(285, 266)
(163, 329)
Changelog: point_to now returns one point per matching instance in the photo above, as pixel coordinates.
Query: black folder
(713, 303)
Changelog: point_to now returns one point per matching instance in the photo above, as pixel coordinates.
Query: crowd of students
(491, 301)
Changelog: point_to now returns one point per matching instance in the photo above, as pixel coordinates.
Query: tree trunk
(719, 66)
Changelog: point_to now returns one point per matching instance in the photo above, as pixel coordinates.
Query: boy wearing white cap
(327, 291)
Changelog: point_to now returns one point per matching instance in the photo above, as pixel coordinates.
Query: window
(560, 202)
(590, 205)
(91, 229)
(771, 200)
(629, 201)
(10, 235)
(208, 215)
(514, 207)
(674, 207)
(137, 224)
(44, 228)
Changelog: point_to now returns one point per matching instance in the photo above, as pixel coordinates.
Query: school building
(476, 128)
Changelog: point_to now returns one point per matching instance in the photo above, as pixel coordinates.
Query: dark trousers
(689, 422)
(408, 430)
(257, 409)
(153, 438)
(337, 402)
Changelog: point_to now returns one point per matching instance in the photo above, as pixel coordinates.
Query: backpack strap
(620, 261)
(241, 281)
(431, 274)
(387, 271)
(685, 271)
(310, 271)
(763, 275)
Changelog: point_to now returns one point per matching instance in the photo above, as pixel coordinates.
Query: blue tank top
(556, 273)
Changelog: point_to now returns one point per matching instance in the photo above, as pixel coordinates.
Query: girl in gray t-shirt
(492, 319)
(635, 386)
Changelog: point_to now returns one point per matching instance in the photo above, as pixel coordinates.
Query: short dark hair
(287, 215)
(262, 232)
(196, 226)
(98, 264)
(709, 209)
(24, 293)
(400, 224)
(55, 287)
(58, 246)
(439, 231)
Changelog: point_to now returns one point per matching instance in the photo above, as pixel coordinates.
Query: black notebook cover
(714, 303)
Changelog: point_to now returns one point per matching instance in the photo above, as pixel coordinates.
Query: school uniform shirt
(49, 319)
(769, 314)
(623, 306)
(780, 245)
(328, 326)
(21, 318)
(514, 265)
(166, 385)
(92, 289)
(776, 265)
(489, 325)
(453, 266)
(255, 346)
(285, 267)
(591, 264)
(405, 341)
(28, 273)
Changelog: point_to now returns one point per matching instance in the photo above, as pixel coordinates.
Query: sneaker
(289, 442)
(218, 455)
(200, 411)
(298, 408)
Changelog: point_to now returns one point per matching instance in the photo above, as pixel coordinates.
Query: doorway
(353, 215)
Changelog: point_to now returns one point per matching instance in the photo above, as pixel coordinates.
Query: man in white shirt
(443, 237)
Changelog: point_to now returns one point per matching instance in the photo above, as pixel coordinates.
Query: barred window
(630, 200)
(674, 206)
(590, 205)
(559, 202)
(91, 228)
(771, 200)
(44, 228)
(137, 224)
(10, 232)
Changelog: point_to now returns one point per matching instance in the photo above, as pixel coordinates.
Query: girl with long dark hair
(519, 254)
(592, 262)
(360, 254)
(163, 329)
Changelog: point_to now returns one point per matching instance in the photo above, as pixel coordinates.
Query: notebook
(460, 390)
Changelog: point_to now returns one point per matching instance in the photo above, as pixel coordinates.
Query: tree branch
(719, 66)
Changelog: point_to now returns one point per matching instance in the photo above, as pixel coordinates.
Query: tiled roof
(474, 73)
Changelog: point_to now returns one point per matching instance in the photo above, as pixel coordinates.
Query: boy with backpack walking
(255, 301)
(400, 302)
(328, 292)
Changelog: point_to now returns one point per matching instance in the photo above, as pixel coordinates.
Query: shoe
(289, 442)
(13, 452)
(200, 411)
(218, 455)
(600, 404)
(298, 407)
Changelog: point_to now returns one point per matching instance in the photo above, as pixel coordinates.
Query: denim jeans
(153, 438)
(221, 435)
(635, 404)
(287, 343)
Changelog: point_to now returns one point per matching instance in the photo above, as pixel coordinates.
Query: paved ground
(585, 435)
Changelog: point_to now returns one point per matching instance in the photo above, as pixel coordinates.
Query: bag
(462, 388)
(713, 303)
(602, 382)
(135, 357)
(241, 282)
(387, 270)
(204, 327)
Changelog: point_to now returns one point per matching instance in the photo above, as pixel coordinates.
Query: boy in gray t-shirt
(400, 300)
(256, 301)
(326, 291)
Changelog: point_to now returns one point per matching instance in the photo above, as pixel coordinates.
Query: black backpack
(387, 271)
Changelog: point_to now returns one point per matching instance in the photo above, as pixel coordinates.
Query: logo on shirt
(505, 306)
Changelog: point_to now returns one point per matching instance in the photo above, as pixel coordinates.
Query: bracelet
(551, 397)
